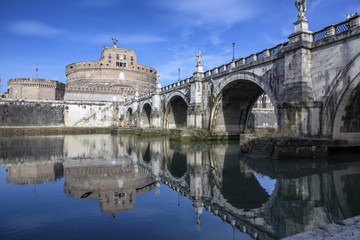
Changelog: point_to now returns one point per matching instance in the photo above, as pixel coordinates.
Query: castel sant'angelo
(116, 76)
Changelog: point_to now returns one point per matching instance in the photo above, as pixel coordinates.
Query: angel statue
(301, 6)
(158, 78)
(114, 41)
(198, 58)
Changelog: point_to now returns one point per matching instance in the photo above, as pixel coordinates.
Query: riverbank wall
(57, 114)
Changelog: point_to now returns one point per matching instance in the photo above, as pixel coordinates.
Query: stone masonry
(312, 80)
(36, 89)
(116, 76)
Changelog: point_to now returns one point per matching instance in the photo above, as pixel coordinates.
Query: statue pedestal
(199, 73)
(301, 32)
(301, 25)
(200, 68)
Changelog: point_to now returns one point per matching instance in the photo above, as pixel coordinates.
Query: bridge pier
(195, 109)
(300, 119)
(156, 113)
(299, 114)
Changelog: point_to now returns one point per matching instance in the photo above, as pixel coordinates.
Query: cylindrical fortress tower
(115, 77)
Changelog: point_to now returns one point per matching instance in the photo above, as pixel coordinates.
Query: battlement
(40, 82)
(101, 65)
(36, 89)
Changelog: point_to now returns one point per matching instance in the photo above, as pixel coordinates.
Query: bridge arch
(129, 117)
(341, 114)
(235, 97)
(176, 111)
(145, 114)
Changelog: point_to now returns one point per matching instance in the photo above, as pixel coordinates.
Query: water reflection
(264, 198)
(114, 183)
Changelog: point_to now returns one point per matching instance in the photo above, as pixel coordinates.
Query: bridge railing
(338, 28)
(145, 96)
(247, 60)
(180, 83)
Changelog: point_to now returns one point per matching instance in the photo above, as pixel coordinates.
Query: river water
(126, 187)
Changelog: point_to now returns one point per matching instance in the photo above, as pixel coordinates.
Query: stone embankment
(55, 114)
(348, 229)
(289, 147)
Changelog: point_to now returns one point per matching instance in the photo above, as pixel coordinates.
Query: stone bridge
(313, 81)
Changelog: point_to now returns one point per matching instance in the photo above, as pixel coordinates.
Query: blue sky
(165, 34)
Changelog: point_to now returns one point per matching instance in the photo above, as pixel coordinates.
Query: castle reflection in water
(264, 198)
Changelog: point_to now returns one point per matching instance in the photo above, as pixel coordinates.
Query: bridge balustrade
(260, 55)
(335, 29)
(342, 27)
(248, 59)
(274, 51)
(254, 58)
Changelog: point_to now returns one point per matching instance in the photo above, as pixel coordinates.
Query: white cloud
(33, 28)
(40, 29)
(315, 2)
(214, 12)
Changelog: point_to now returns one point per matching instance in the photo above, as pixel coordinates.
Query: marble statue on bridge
(198, 58)
(301, 6)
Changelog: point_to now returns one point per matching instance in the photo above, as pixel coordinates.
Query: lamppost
(179, 75)
(233, 44)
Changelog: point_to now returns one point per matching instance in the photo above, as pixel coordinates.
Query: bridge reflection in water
(264, 198)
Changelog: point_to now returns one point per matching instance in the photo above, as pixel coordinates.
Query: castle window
(120, 64)
(132, 58)
(109, 55)
(132, 63)
(124, 57)
(117, 56)
(109, 60)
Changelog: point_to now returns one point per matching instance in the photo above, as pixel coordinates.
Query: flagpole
(37, 71)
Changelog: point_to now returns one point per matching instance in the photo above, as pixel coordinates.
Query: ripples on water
(124, 187)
